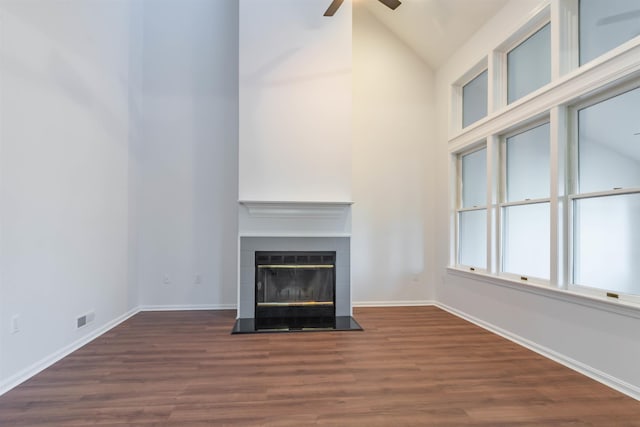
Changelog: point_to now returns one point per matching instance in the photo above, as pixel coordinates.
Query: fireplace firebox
(295, 290)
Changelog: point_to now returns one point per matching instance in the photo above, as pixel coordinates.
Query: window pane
(607, 243)
(474, 179)
(606, 24)
(526, 240)
(472, 248)
(474, 100)
(529, 65)
(528, 164)
(609, 144)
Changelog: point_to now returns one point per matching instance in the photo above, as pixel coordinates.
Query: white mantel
(295, 218)
(310, 209)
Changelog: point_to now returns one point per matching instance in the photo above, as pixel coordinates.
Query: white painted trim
(278, 209)
(46, 362)
(187, 307)
(394, 303)
(577, 366)
(531, 24)
(293, 234)
(602, 377)
(618, 307)
(600, 74)
(457, 91)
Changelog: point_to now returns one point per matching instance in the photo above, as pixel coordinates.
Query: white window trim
(598, 75)
(457, 100)
(612, 305)
(596, 97)
(503, 203)
(564, 37)
(572, 86)
(538, 20)
(457, 208)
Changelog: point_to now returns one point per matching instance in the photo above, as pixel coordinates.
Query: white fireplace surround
(293, 226)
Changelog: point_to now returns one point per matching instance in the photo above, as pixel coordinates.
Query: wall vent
(85, 319)
(81, 321)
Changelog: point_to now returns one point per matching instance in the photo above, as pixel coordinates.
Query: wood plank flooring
(411, 366)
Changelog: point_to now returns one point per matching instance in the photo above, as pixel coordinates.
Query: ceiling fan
(335, 4)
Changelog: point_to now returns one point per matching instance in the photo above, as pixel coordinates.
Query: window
(606, 203)
(529, 65)
(609, 144)
(472, 212)
(525, 207)
(552, 195)
(474, 99)
(605, 25)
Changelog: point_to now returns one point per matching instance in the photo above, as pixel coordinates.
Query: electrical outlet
(165, 279)
(15, 325)
(198, 279)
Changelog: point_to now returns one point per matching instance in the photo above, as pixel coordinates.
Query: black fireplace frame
(295, 316)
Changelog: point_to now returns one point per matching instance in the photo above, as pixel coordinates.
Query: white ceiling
(434, 29)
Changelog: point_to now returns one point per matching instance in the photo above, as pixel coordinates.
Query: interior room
(470, 163)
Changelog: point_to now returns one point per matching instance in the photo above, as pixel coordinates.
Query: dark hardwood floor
(411, 366)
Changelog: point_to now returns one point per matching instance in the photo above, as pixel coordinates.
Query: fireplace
(294, 269)
(295, 290)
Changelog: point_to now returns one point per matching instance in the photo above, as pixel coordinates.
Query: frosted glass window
(529, 65)
(528, 164)
(472, 247)
(474, 100)
(606, 24)
(526, 245)
(474, 179)
(609, 144)
(607, 243)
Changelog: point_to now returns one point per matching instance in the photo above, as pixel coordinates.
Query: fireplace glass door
(295, 290)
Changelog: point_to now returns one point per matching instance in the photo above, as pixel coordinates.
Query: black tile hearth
(343, 323)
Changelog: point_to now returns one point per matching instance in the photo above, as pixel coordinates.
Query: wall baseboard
(39, 366)
(22, 376)
(595, 374)
(393, 303)
(606, 379)
(187, 307)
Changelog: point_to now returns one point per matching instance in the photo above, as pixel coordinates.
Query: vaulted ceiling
(434, 29)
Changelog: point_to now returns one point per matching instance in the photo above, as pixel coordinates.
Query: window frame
(573, 193)
(576, 7)
(479, 146)
(457, 99)
(504, 203)
(462, 115)
(539, 19)
(506, 64)
(571, 84)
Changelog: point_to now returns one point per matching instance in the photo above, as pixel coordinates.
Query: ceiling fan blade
(335, 4)
(391, 4)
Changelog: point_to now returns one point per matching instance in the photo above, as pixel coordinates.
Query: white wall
(601, 342)
(393, 124)
(187, 184)
(295, 101)
(64, 158)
